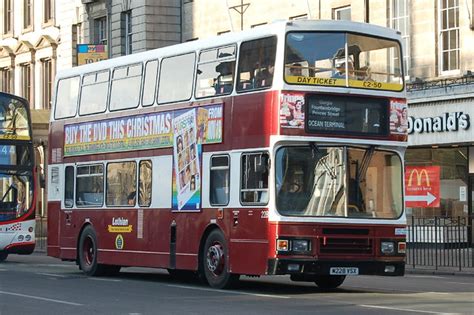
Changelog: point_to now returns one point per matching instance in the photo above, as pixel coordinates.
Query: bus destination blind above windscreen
(348, 115)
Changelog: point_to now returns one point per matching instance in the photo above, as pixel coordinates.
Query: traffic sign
(422, 186)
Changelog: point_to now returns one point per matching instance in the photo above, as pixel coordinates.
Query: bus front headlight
(387, 248)
(300, 245)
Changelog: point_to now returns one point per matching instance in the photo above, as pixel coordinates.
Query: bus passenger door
(66, 231)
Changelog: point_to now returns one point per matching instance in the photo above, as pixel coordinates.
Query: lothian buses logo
(120, 225)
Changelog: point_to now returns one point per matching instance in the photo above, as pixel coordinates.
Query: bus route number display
(346, 115)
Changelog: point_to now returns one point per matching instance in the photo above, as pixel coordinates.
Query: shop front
(439, 165)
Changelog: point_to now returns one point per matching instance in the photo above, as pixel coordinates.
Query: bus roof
(275, 28)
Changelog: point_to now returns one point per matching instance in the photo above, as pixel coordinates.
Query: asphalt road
(38, 284)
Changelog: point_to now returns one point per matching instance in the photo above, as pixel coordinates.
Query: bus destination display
(346, 115)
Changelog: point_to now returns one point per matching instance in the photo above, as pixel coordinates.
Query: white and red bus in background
(17, 178)
(277, 150)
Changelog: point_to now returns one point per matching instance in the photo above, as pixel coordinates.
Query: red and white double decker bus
(277, 150)
(17, 178)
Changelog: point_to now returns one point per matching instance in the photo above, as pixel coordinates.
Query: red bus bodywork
(175, 240)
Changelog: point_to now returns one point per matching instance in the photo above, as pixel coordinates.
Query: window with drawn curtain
(145, 184)
(121, 183)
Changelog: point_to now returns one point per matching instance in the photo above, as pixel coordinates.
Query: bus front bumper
(309, 268)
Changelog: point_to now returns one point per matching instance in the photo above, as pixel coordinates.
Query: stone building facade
(438, 38)
(37, 38)
(132, 26)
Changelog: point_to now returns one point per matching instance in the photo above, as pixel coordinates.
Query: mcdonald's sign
(422, 186)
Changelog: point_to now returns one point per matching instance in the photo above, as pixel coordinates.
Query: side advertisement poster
(183, 130)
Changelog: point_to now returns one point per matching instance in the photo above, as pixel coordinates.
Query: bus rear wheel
(215, 262)
(3, 256)
(88, 253)
(329, 282)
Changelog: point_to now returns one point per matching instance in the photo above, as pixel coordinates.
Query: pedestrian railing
(440, 242)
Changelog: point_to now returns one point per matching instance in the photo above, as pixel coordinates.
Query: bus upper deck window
(215, 72)
(256, 64)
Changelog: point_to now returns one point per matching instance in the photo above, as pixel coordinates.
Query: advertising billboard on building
(90, 53)
(422, 186)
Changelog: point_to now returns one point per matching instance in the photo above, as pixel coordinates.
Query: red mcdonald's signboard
(422, 186)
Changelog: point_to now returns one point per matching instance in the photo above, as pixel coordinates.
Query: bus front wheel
(3, 256)
(329, 282)
(215, 263)
(88, 253)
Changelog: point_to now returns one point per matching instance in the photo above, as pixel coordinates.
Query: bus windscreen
(13, 118)
(343, 60)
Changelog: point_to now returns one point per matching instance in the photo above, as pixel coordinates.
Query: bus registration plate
(344, 271)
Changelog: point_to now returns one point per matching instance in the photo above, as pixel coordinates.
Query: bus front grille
(332, 245)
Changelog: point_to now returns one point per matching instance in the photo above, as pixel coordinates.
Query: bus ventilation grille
(329, 245)
(339, 231)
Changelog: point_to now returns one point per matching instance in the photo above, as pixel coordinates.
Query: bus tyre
(329, 282)
(88, 253)
(215, 262)
(3, 256)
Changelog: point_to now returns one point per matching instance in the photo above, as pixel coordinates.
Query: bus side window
(66, 97)
(254, 178)
(94, 91)
(125, 87)
(215, 72)
(256, 64)
(69, 187)
(149, 83)
(144, 184)
(219, 181)
(90, 185)
(176, 71)
(121, 183)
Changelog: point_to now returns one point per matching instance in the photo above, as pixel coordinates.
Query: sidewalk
(428, 270)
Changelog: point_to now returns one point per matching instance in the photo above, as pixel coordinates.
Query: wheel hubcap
(89, 251)
(215, 259)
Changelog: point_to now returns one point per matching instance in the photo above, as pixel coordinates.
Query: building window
(47, 83)
(48, 11)
(127, 32)
(5, 77)
(449, 35)
(400, 21)
(100, 26)
(7, 16)
(25, 70)
(27, 14)
(343, 13)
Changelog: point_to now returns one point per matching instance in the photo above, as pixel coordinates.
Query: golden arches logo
(419, 177)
